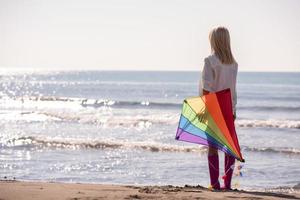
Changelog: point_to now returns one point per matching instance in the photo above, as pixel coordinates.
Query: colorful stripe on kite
(208, 120)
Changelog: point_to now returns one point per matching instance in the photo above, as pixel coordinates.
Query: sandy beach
(15, 190)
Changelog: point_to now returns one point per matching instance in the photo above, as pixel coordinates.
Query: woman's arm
(207, 80)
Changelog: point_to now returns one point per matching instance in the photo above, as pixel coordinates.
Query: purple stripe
(187, 137)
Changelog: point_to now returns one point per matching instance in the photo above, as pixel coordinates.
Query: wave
(126, 104)
(31, 141)
(84, 102)
(29, 101)
(271, 123)
(51, 108)
(115, 121)
(96, 103)
(128, 120)
(282, 189)
(285, 150)
(270, 108)
(28, 116)
(143, 121)
(99, 144)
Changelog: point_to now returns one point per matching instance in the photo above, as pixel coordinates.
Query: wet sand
(18, 190)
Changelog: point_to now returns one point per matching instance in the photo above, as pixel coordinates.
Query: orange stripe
(198, 106)
(213, 107)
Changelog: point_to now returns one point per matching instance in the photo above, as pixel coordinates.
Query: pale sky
(146, 34)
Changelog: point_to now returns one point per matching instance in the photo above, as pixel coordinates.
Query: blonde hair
(220, 45)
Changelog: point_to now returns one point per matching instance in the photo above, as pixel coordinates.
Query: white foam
(269, 123)
(100, 144)
(73, 109)
(38, 103)
(26, 116)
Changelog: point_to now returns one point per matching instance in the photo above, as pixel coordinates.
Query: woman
(220, 72)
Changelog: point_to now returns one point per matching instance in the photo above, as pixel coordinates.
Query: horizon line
(21, 69)
(122, 70)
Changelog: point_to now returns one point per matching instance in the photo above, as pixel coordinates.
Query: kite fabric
(208, 120)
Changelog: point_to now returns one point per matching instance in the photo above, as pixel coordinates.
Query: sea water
(119, 127)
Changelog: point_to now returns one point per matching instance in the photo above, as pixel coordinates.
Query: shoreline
(26, 190)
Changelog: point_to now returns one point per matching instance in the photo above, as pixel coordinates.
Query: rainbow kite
(208, 120)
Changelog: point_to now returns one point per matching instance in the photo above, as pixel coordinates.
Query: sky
(146, 34)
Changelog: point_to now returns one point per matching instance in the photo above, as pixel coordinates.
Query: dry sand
(16, 190)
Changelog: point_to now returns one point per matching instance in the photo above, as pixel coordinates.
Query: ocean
(119, 127)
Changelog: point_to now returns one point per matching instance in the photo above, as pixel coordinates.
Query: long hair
(220, 45)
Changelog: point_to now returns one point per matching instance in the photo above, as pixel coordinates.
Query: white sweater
(217, 76)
